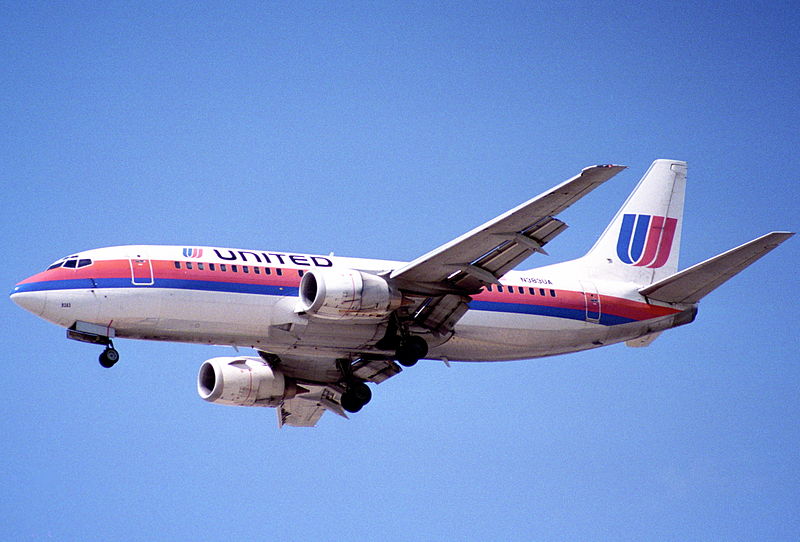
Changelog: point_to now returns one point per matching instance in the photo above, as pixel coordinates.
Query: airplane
(325, 326)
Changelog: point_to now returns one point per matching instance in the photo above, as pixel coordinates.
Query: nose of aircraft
(32, 301)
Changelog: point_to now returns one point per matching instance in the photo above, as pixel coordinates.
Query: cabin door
(141, 269)
(592, 300)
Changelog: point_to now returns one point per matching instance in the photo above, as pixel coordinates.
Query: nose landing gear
(109, 356)
(87, 332)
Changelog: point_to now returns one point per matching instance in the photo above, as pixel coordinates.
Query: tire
(411, 350)
(350, 402)
(362, 392)
(109, 357)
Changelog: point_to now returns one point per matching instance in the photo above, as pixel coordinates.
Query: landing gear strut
(109, 356)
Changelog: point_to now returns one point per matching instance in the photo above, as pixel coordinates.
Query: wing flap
(694, 283)
(375, 370)
(306, 409)
(440, 313)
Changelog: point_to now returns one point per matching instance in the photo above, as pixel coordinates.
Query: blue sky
(384, 130)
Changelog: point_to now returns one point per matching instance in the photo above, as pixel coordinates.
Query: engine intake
(346, 294)
(243, 381)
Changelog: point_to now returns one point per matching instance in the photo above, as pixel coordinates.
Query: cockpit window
(70, 262)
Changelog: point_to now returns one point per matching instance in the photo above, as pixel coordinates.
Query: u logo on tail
(646, 240)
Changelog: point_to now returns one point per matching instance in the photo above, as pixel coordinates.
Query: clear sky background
(384, 130)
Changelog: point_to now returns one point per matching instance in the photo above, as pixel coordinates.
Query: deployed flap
(375, 370)
(694, 283)
(306, 409)
(486, 253)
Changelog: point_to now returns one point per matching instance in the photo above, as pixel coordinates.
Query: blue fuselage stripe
(268, 289)
(545, 310)
(180, 284)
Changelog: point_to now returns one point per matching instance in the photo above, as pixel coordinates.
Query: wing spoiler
(694, 283)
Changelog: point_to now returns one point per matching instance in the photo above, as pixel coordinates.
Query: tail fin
(642, 243)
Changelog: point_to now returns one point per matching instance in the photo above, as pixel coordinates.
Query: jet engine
(243, 381)
(346, 294)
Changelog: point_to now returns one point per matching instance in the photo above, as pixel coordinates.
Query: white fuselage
(249, 299)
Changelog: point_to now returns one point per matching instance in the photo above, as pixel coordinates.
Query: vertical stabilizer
(642, 243)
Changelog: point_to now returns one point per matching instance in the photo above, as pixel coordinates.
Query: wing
(486, 253)
(455, 270)
(314, 398)
(305, 410)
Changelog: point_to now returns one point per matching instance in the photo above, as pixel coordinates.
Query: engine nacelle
(346, 294)
(243, 381)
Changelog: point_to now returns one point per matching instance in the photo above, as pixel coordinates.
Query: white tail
(642, 243)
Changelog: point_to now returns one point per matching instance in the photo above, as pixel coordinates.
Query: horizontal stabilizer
(694, 283)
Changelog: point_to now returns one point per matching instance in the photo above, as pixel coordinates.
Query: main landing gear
(356, 396)
(356, 393)
(109, 356)
(411, 350)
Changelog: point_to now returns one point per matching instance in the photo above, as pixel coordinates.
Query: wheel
(361, 392)
(406, 362)
(109, 357)
(350, 402)
(411, 350)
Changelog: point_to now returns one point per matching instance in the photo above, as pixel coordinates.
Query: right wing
(485, 254)
(448, 275)
(694, 283)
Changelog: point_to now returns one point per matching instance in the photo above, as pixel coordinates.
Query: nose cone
(32, 301)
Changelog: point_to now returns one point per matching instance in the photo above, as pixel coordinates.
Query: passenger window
(71, 264)
(300, 272)
(188, 265)
(212, 267)
(489, 288)
(552, 293)
(541, 291)
(223, 267)
(177, 265)
(510, 289)
(257, 270)
(267, 271)
(532, 291)
(499, 287)
(235, 268)
(279, 271)
(245, 269)
(200, 266)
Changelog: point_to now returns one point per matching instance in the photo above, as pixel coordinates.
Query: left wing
(307, 407)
